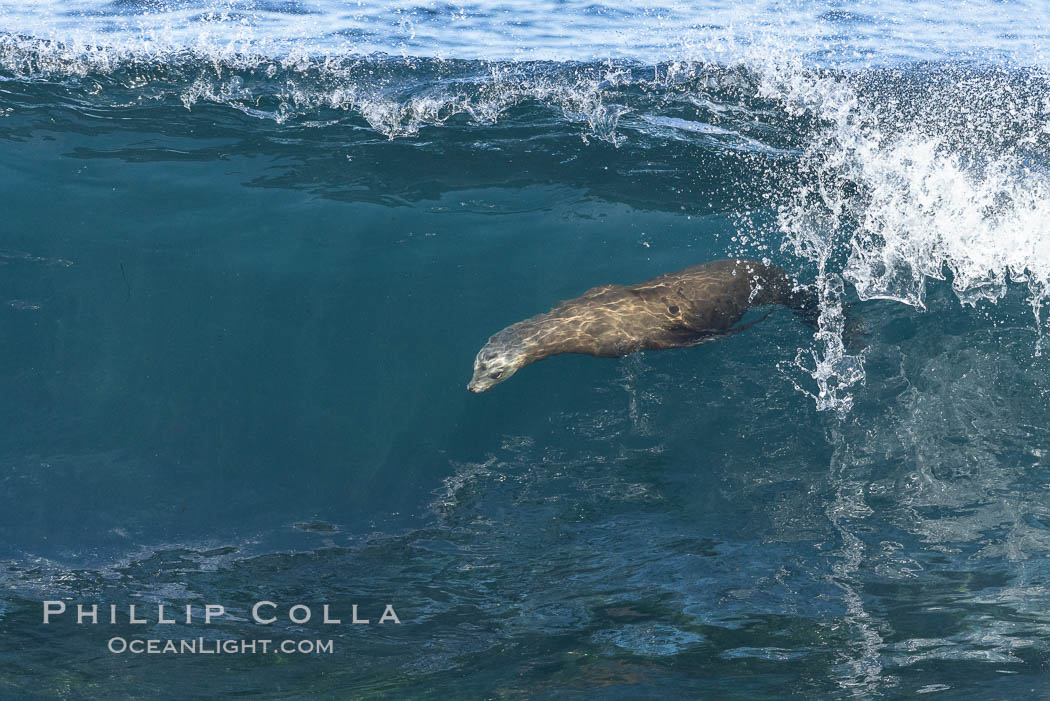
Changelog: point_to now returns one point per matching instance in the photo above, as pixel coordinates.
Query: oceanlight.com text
(204, 646)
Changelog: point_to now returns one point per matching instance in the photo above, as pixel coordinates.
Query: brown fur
(679, 309)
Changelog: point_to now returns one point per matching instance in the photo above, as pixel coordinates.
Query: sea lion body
(679, 309)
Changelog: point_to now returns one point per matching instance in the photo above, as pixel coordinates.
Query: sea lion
(686, 308)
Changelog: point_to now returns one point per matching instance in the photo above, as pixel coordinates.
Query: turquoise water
(249, 250)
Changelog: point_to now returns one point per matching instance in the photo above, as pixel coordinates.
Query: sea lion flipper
(708, 336)
(745, 327)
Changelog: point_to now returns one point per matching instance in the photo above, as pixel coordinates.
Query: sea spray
(889, 206)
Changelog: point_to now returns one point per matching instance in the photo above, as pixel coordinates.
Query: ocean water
(249, 249)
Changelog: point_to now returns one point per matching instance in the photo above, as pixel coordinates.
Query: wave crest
(883, 179)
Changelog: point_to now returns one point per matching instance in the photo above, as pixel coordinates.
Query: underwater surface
(249, 250)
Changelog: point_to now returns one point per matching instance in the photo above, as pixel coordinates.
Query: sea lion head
(497, 361)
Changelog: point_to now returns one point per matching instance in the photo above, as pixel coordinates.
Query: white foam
(905, 204)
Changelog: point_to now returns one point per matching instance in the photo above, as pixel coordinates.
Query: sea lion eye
(673, 309)
(496, 375)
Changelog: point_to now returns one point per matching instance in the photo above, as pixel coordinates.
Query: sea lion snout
(494, 364)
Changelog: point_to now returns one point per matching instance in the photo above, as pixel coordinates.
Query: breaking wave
(872, 183)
